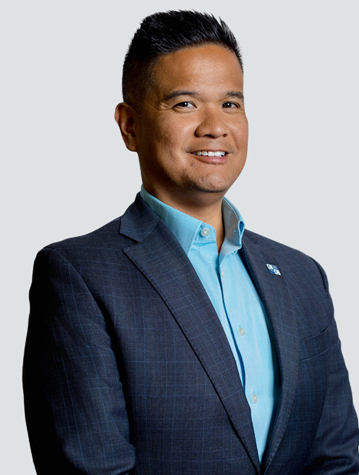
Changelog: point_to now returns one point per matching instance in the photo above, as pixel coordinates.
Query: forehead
(205, 66)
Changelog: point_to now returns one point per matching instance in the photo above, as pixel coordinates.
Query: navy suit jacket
(127, 369)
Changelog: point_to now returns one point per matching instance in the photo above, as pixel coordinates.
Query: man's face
(192, 132)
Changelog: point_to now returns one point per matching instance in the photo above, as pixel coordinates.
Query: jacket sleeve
(335, 449)
(74, 403)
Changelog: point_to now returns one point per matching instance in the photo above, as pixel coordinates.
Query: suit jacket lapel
(163, 262)
(276, 299)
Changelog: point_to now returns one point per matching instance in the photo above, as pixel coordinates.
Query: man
(171, 340)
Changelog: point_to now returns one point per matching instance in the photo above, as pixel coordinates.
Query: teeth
(210, 154)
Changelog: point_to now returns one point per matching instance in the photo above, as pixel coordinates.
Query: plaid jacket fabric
(127, 369)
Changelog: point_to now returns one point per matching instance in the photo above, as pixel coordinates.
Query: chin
(208, 190)
(215, 185)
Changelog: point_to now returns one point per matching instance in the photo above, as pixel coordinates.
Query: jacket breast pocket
(314, 346)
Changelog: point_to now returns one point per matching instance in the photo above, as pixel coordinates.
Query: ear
(125, 117)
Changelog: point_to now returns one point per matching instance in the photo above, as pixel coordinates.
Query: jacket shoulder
(133, 226)
(97, 236)
(267, 243)
(292, 258)
(98, 246)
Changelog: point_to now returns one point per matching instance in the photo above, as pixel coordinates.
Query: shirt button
(254, 398)
(205, 232)
(242, 331)
(222, 273)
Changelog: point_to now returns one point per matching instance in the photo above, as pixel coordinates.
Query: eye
(185, 105)
(231, 105)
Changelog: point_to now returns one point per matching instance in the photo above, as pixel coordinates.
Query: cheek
(161, 138)
(174, 132)
(241, 132)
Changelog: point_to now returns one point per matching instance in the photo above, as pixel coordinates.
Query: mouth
(211, 157)
(210, 153)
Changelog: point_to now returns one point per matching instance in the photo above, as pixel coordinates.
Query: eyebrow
(180, 92)
(183, 92)
(237, 94)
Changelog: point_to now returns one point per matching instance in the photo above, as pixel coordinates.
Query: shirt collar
(188, 229)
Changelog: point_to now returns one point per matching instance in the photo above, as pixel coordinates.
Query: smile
(206, 153)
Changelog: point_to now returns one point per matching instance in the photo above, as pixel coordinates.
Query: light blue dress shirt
(236, 302)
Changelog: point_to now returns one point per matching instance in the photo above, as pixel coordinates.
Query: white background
(65, 171)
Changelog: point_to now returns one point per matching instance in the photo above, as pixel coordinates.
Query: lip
(211, 160)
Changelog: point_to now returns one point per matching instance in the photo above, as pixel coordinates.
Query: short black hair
(164, 33)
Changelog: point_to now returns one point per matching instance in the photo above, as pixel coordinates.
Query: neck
(208, 210)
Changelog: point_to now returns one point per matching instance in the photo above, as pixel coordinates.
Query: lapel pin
(273, 269)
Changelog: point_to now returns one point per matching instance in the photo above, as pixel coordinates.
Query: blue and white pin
(273, 269)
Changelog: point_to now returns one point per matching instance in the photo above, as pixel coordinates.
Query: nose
(212, 124)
